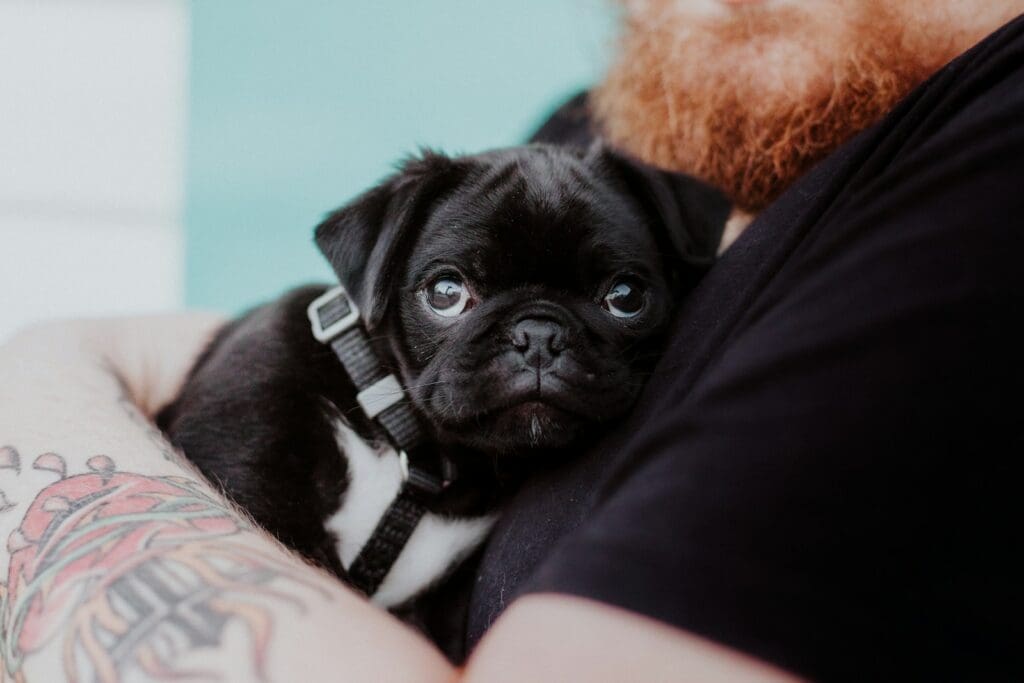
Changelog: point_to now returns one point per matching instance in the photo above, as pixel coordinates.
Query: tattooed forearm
(136, 577)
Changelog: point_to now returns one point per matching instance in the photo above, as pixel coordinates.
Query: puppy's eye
(625, 299)
(448, 296)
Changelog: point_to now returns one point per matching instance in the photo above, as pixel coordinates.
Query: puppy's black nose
(538, 340)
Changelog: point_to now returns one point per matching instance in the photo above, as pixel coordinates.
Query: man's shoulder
(947, 162)
(973, 107)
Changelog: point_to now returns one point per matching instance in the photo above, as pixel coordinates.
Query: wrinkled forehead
(537, 216)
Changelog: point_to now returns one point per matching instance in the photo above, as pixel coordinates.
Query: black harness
(336, 322)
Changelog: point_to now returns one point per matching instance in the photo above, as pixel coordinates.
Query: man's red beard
(748, 98)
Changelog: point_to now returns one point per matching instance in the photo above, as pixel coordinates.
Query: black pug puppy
(519, 296)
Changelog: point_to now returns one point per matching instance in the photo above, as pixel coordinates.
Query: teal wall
(295, 107)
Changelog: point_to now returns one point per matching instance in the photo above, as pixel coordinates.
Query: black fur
(539, 233)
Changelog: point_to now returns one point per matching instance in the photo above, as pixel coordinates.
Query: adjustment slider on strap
(380, 396)
(419, 479)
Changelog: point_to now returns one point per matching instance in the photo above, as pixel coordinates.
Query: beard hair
(750, 100)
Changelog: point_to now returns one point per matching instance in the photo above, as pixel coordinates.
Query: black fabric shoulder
(570, 124)
(819, 474)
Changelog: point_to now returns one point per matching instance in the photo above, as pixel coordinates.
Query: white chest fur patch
(375, 476)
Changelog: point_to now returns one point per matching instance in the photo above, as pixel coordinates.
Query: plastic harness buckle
(332, 313)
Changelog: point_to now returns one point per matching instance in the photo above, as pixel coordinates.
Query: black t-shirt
(821, 472)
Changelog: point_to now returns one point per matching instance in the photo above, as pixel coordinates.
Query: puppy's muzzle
(539, 341)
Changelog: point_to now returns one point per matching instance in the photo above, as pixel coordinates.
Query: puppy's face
(523, 290)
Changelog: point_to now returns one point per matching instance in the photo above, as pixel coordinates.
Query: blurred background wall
(92, 149)
(160, 153)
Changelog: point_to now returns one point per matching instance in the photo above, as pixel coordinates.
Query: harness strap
(335, 321)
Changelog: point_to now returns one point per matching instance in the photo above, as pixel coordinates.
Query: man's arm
(554, 637)
(123, 564)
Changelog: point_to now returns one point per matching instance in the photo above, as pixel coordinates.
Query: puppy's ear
(692, 214)
(367, 240)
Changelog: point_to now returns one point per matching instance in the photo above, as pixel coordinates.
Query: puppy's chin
(506, 411)
(522, 429)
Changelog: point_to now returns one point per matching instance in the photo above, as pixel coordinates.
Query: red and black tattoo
(131, 573)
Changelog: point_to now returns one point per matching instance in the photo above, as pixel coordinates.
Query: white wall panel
(92, 135)
(77, 266)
